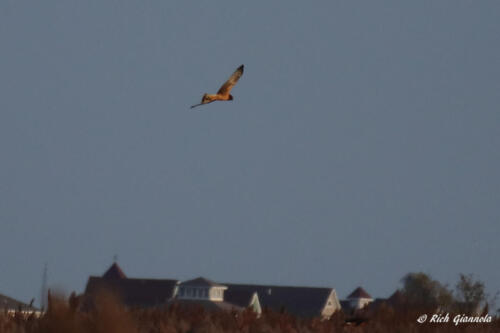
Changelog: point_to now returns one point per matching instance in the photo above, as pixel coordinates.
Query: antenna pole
(43, 292)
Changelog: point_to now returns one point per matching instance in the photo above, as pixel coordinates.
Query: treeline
(110, 316)
(468, 296)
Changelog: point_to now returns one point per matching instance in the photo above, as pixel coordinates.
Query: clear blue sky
(363, 142)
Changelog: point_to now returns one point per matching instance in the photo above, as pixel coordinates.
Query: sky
(362, 142)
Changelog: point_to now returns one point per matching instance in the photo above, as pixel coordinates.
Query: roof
(201, 282)
(397, 301)
(346, 306)
(359, 293)
(134, 292)
(207, 305)
(8, 303)
(397, 298)
(241, 298)
(300, 301)
(114, 272)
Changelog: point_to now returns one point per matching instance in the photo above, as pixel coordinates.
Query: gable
(255, 304)
(332, 304)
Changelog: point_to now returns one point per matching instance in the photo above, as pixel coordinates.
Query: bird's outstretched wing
(229, 84)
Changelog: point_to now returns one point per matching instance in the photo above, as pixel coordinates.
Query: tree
(421, 291)
(470, 295)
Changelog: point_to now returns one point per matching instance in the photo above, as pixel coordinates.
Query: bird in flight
(224, 92)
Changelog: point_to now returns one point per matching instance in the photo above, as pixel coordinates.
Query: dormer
(201, 289)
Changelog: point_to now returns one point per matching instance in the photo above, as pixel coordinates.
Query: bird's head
(205, 98)
(230, 97)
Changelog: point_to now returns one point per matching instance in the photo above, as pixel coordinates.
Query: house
(359, 298)
(298, 301)
(356, 300)
(133, 292)
(11, 306)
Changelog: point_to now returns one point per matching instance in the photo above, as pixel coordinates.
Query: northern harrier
(223, 93)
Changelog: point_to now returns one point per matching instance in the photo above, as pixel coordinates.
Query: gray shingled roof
(207, 304)
(239, 297)
(396, 298)
(299, 301)
(346, 306)
(134, 292)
